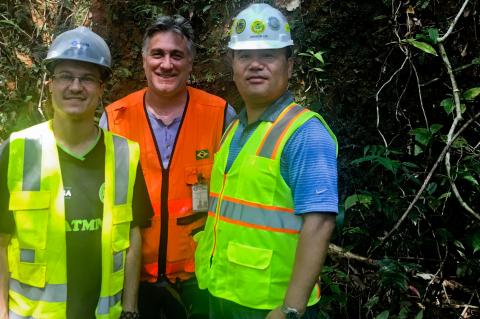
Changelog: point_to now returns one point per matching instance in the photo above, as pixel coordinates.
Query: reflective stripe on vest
(258, 216)
(105, 303)
(32, 165)
(232, 126)
(122, 158)
(49, 293)
(37, 252)
(269, 145)
(13, 315)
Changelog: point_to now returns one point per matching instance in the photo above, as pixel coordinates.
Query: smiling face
(167, 64)
(261, 76)
(78, 98)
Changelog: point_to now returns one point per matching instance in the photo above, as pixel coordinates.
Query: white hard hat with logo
(80, 44)
(260, 26)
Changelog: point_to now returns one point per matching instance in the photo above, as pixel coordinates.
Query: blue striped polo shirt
(308, 163)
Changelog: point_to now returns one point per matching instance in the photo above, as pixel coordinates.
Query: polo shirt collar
(272, 111)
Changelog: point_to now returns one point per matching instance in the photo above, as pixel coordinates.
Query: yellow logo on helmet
(257, 27)
(287, 27)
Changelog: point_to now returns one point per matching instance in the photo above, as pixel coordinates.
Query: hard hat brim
(259, 45)
(95, 62)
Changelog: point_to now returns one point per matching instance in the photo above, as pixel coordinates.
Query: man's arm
(311, 252)
(309, 166)
(4, 275)
(132, 271)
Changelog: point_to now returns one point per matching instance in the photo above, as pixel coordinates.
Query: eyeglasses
(86, 81)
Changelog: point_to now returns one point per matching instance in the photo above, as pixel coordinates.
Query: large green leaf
(319, 56)
(434, 128)
(419, 315)
(476, 241)
(425, 47)
(418, 150)
(422, 135)
(355, 199)
(384, 315)
(471, 94)
(391, 165)
(433, 34)
(448, 105)
(470, 178)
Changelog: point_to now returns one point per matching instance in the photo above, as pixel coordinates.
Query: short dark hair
(175, 23)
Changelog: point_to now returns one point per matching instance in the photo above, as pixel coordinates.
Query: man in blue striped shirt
(261, 49)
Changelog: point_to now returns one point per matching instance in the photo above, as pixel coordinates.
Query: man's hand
(275, 314)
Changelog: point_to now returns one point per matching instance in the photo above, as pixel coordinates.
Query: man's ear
(48, 83)
(102, 89)
(290, 67)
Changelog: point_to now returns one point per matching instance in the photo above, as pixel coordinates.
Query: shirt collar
(272, 111)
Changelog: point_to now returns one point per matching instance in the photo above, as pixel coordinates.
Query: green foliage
(383, 315)
(379, 155)
(362, 199)
(425, 47)
(345, 51)
(316, 59)
(471, 94)
(392, 275)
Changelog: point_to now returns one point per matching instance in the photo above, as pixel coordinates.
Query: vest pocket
(31, 213)
(249, 270)
(121, 218)
(196, 174)
(32, 274)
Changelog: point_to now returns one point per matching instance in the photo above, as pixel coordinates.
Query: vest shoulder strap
(290, 119)
(205, 98)
(126, 101)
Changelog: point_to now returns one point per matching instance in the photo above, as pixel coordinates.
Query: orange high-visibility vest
(167, 246)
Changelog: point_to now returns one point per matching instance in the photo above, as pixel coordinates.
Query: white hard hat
(80, 44)
(260, 26)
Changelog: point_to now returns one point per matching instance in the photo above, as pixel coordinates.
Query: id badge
(200, 197)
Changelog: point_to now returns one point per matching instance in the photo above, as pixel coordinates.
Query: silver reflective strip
(105, 303)
(227, 131)
(27, 255)
(212, 203)
(13, 315)
(50, 293)
(122, 159)
(261, 216)
(277, 130)
(32, 165)
(117, 261)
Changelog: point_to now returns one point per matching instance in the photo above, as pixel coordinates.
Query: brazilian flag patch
(202, 154)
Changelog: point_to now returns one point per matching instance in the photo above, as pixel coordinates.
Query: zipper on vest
(217, 217)
(162, 247)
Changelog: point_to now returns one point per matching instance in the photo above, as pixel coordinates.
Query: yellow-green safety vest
(37, 251)
(247, 250)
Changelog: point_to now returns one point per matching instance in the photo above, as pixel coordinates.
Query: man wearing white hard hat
(72, 199)
(273, 190)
